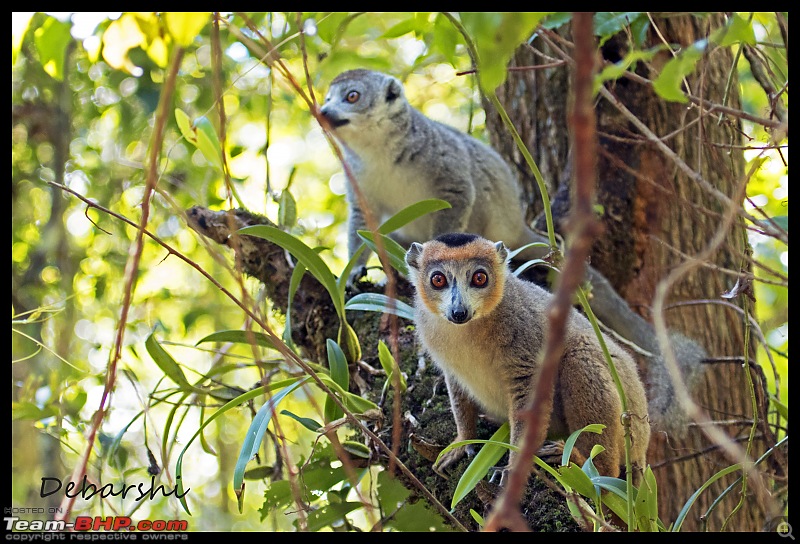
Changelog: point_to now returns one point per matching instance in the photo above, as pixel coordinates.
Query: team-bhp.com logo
(95, 523)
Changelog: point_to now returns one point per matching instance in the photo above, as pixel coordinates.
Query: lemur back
(485, 329)
(399, 157)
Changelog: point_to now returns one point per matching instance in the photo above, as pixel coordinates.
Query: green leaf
(606, 24)
(496, 37)
(781, 408)
(488, 457)
(241, 399)
(307, 422)
(294, 284)
(378, 302)
(356, 448)
(737, 30)
(669, 81)
(645, 505)
(445, 39)
(259, 473)
(239, 337)
(527, 264)
(330, 27)
(349, 339)
(390, 366)
(51, 40)
(516, 251)
(184, 27)
(412, 212)
(676, 526)
(328, 514)
(477, 517)
(397, 221)
(353, 402)
(556, 20)
(255, 433)
(340, 374)
(401, 29)
(394, 251)
(305, 255)
(114, 446)
(575, 478)
(617, 69)
(31, 411)
(614, 485)
(207, 141)
(287, 209)
(202, 135)
(167, 364)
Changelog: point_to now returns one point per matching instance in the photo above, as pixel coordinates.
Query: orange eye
(438, 280)
(353, 97)
(479, 278)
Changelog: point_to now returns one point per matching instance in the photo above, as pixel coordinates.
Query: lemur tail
(666, 413)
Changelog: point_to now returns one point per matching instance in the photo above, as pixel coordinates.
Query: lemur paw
(356, 274)
(499, 475)
(451, 458)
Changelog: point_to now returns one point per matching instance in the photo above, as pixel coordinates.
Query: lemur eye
(353, 97)
(479, 278)
(438, 280)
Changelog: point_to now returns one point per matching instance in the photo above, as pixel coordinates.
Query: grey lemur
(485, 329)
(399, 156)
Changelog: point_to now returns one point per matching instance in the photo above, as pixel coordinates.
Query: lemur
(485, 329)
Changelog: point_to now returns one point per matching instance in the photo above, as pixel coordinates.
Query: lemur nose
(459, 315)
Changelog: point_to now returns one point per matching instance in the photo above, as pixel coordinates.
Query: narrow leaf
(390, 366)
(305, 255)
(488, 457)
(569, 443)
(239, 337)
(166, 363)
(412, 212)
(255, 432)
(179, 486)
(307, 422)
(378, 302)
(394, 251)
(287, 209)
(337, 363)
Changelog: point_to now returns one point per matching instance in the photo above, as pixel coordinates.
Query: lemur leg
(590, 396)
(465, 413)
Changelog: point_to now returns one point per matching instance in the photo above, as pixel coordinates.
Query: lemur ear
(502, 251)
(394, 90)
(413, 254)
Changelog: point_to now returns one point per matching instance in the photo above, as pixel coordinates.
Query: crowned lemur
(485, 329)
(399, 157)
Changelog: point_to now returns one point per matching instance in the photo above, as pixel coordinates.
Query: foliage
(85, 95)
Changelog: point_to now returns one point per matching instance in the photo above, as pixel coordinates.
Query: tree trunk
(655, 217)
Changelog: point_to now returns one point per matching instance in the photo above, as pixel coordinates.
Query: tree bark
(654, 218)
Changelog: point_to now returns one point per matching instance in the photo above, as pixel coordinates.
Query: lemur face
(358, 100)
(458, 277)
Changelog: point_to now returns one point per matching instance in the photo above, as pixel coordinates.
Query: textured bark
(654, 216)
